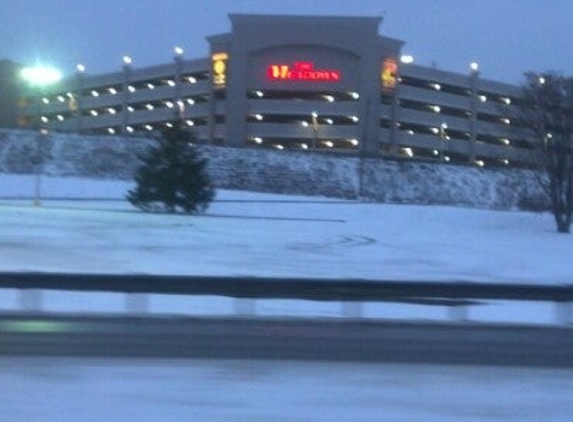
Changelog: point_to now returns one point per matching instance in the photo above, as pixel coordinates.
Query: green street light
(40, 77)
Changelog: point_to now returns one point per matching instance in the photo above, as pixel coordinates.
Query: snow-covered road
(56, 390)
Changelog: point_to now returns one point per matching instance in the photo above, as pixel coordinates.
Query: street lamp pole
(314, 129)
(443, 138)
(40, 78)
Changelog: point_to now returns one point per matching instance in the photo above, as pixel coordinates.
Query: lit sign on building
(219, 68)
(389, 73)
(302, 71)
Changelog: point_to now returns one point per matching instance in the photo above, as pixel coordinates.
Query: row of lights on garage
(327, 143)
(148, 127)
(442, 130)
(327, 97)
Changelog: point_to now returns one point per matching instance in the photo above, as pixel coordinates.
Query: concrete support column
(78, 98)
(178, 104)
(125, 94)
(473, 109)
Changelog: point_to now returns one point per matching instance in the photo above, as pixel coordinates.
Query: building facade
(329, 84)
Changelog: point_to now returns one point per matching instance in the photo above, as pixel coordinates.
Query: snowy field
(269, 235)
(81, 390)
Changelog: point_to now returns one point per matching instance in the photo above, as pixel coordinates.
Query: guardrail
(457, 295)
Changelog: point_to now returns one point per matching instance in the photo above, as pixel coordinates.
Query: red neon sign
(302, 71)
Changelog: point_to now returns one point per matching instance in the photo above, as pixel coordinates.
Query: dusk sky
(506, 37)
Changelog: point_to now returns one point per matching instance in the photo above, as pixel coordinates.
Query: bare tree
(546, 112)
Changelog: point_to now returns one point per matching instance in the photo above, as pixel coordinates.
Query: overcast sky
(507, 37)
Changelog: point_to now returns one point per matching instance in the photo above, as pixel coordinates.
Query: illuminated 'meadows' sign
(302, 71)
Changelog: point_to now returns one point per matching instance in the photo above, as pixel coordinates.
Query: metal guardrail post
(31, 300)
(352, 310)
(563, 313)
(136, 303)
(245, 307)
(458, 313)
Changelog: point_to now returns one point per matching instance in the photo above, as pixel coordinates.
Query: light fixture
(482, 98)
(410, 132)
(150, 86)
(480, 163)
(148, 127)
(111, 130)
(506, 121)
(80, 68)
(435, 130)
(94, 113)
(149, 106)
(178, 51)
(259, 94)
(171, 82)
(189, 122)
(258, 117)
(355, 95)
(169, 125)
(505, 161)
(505, 141)
(129, 129)
(190, 101)
(541, 80)
(436, 108)
(61, 98)
(329, 98)
(169, 104)
(95, 93)
(112, 91)
(279, 146)
(408, 151)
(258, 140)
(126, 60)
(474, 67)
(437, 87)
(41, 76)
(329, 121)
(192, 80)
(355, 119)
(314, 114)
(354, 141)
(446, 158)
(46, 100)
(304, 123)
(506, 100)
(304, 146)
(130, 109)
(45, 119)
(131, 88)
(111, 110)
(60, 117)
(407, 58)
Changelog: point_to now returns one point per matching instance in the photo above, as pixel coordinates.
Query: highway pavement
(285, 339)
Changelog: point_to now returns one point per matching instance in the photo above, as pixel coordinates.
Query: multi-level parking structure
(328, 84)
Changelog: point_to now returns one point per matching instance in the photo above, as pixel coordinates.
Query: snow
(88, 390)
(267, 235)
(272, 235)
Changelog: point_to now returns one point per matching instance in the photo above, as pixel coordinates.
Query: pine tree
(172, 176)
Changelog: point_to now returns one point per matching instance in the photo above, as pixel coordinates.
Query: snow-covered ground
(258, 234)
(50, 390)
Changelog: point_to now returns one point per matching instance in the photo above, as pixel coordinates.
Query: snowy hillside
(272, 235)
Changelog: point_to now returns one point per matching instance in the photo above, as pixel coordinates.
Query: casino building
(329, 84)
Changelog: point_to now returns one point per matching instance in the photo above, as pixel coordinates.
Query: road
(276, 339)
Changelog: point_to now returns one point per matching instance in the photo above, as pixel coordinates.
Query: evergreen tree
(172, 176)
